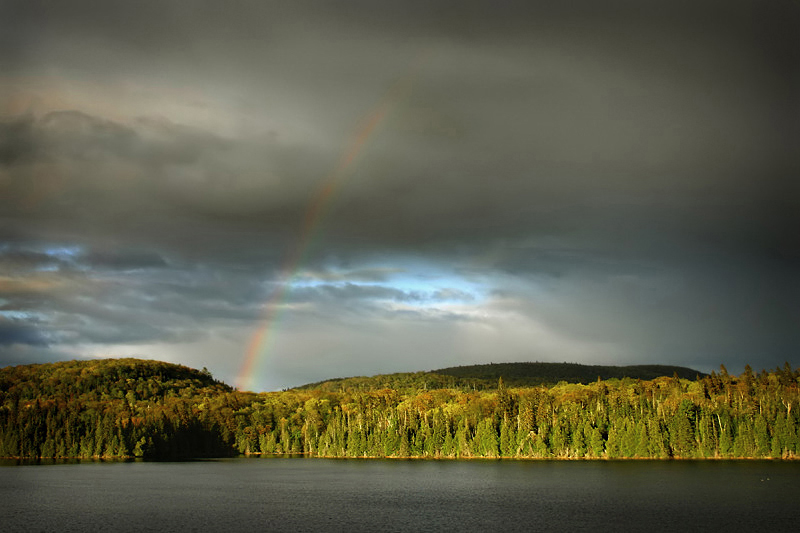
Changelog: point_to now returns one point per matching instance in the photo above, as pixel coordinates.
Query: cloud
(588, 183)
(26, 354)
(124, 260)
(371, 274)
(12, 332)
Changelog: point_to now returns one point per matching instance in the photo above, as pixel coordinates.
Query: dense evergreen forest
(138, 408)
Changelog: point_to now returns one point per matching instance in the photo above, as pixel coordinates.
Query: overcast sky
(601, 182)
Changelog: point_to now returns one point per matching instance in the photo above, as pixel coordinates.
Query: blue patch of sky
(63, 252)
(57, 253)
(29, 316)
(425, 284)
(60, 254)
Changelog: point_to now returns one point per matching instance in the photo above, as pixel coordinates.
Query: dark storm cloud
(741, 307)
(12, 332)
(153, 182)
(27, 260)
(633, 118)
(151, 179)
(123, 260)
(16, 140)
(72, 296)
(619, 175)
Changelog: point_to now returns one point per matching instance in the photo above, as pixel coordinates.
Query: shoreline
(308, 455)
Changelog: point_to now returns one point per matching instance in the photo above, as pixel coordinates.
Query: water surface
(291, 494)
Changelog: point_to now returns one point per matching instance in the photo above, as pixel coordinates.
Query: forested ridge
(485, 377)
(115, 408)
(138, 408)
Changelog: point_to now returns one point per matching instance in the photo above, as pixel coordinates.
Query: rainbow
(259, 342)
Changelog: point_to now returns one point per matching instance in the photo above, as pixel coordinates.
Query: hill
(486, 377)
(133, 408)
(115, 408)
(103, 378)
(534, 374)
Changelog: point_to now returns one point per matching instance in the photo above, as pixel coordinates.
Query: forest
(122, 408)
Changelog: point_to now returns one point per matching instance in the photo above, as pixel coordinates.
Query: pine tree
(762, 438)
(642, 448)
(578, 445)
(505, 440)
(613, 443)
(595, 440)
(681, 432)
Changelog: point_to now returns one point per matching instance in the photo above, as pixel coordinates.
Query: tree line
(135, 408)
(485, 377)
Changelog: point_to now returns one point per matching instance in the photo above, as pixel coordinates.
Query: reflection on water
(282, 494)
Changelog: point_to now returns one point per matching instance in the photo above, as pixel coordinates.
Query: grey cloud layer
(503, 133)
(623, 173)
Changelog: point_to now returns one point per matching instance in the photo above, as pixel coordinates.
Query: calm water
(289, 494)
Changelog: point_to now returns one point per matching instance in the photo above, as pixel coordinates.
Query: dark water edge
(27, 461)
(290, 494)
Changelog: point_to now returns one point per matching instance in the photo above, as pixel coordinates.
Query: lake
(294, 494)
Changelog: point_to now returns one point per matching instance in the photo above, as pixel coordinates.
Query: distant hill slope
(103, 378)
(485, 377)
(116, 408)
(525, 374)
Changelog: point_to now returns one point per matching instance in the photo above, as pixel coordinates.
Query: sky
(285, 192)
